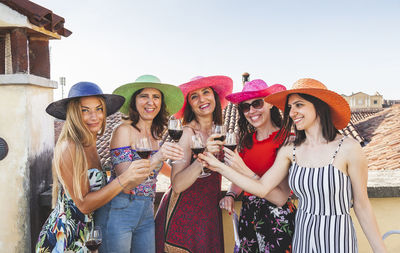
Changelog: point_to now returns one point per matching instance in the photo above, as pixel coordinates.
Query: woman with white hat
(77, 175)
(128, 220)
(265, 224)
(188, 219)
(326, 171)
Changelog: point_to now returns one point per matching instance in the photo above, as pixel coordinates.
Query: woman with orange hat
(265, 224)
(188, 219)
(326, 171)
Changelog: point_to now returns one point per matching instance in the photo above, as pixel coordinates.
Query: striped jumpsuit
(323, 222)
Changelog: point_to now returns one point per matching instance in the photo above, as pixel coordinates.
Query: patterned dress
(66, 227)
(264, 227)
(323, 222)
(191, 221)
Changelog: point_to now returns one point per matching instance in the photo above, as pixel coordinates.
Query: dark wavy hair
(246, 130)
(323, 111)
(160, 122)
(188, 114)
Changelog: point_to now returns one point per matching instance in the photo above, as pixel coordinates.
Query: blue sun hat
(58, 109)
(173, 96)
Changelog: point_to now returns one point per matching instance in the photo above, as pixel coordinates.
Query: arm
(260, 187)
(228, 202)
(184, 174)
(277, 196)
(93, 200)
(357, 169)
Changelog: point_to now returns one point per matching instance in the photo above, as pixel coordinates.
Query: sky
(350, 46)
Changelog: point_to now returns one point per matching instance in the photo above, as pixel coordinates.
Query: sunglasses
(257, 104)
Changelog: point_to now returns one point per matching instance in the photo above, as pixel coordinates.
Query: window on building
(375, 102)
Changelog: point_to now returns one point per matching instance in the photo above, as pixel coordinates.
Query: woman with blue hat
(129, 223)
(77, 176)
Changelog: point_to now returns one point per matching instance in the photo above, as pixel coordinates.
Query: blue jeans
(130, 225)
(100, 219)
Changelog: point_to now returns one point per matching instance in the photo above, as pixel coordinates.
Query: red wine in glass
(144, 154)
(230, 146)
(197, 151)
(222, 138)
(175, 134)
(93, 245)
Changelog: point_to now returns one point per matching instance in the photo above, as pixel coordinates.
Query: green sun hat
(173, 96)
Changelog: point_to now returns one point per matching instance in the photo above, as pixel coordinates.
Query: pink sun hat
(254, 89)
(222, 85)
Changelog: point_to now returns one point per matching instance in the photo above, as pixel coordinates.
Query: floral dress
(66, 227)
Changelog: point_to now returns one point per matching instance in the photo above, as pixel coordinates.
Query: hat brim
(239, 97)
(58, 109)
(173, 96)
(340, 109)
(222, 85)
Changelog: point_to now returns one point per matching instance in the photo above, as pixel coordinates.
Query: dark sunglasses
(257, 104)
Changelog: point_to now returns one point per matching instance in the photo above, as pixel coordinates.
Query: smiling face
(258, 117)
(202, 101)
(148, 103)
(92, 112)
(302, 112)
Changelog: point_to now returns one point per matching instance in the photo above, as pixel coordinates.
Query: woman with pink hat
(327, 171)
(259, 123)
(188, 219)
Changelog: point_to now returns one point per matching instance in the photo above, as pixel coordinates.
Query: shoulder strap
(294, 154)
(337, 149)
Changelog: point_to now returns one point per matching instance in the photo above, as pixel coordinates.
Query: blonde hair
(74, 130)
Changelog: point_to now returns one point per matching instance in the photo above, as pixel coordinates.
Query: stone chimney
(25, 128)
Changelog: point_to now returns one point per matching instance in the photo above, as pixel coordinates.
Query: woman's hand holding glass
(170, 150)
(137, 172)
(214, 144)
(233, 160)
(211, 162)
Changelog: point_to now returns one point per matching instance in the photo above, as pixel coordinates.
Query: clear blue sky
(350, 46)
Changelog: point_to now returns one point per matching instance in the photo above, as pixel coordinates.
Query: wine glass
(230, 141)
(219, 129)
(175, 131)
(143, 149)
(197, 146)
(93, 239)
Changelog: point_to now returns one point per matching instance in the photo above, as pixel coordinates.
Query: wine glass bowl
(94, 239)
(230, 141)
(175, 131)
(219, 129)
(143, 149)
(198, 147)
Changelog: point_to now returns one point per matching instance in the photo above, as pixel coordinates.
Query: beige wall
(29, 134)
(387, 212)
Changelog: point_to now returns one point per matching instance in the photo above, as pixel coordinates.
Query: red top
(262, 155)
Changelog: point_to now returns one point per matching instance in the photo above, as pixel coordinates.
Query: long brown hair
(160, 122)
(323, 111)
(188, 114)
(74, 130)
(246, 130)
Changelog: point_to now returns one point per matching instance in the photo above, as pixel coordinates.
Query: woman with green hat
(129, 225)
(77, 176)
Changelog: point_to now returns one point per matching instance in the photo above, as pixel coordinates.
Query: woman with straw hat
(265, 224)
(326, 171)
(128, 221)
(188, 219)
(77, 174)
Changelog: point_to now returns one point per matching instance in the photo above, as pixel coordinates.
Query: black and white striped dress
(323, 222)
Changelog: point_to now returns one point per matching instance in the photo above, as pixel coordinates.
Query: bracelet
(231, 194)
(120, 183)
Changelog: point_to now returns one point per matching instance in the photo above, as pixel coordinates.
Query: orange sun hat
(340, 109)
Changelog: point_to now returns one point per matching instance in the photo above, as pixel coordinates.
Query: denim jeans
(100, 219)
(130, 225)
